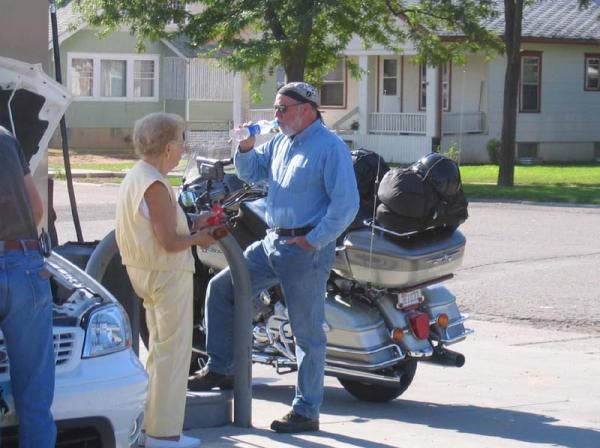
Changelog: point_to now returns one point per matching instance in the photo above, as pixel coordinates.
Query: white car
(101, 385)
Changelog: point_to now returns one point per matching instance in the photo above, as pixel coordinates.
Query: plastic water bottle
(259, 128)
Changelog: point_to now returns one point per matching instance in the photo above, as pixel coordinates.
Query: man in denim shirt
(25, 299)
(312, 199)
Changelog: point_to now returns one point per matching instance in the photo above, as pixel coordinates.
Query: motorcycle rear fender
(395, 318)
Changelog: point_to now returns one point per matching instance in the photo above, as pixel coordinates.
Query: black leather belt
(18, 244)
(300, 231)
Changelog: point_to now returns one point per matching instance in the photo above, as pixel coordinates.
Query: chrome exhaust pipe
(447, 358)
(339, 372)
(358, 375)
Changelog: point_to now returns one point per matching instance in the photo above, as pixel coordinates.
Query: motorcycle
(385, 306)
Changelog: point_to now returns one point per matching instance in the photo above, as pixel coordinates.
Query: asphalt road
(535, 264)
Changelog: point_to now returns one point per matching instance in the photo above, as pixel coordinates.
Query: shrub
(453, 153)
(493, 148)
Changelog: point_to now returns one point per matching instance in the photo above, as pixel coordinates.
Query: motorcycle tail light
(442, 320)
(397, 334)
(419, 323)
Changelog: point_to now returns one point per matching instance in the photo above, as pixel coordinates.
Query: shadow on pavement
(493, 422)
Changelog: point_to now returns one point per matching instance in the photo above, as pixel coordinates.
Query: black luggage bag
(426, 194)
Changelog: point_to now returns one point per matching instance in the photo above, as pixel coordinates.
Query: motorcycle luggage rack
(370, 222)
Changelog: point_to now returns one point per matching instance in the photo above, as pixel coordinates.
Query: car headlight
(107, 331)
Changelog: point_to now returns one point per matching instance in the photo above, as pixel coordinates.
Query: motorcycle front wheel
(366, 391)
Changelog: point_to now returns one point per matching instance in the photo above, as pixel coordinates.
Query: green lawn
(116, 166)
(574, 184)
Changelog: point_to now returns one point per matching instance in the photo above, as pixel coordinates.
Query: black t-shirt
(16, 217)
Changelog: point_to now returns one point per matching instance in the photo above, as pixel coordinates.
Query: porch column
(363, 95)
(238, 100)
(433, 125)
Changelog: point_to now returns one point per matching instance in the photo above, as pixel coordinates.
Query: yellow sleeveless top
(134, 234)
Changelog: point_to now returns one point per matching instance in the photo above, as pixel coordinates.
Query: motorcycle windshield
(189, 160)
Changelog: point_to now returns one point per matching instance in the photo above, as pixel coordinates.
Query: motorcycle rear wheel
(376, 393)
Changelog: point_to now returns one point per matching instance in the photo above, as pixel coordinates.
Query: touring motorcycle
(385, 306)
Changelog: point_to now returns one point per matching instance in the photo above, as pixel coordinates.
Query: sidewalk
(520, 387)
(85, 173)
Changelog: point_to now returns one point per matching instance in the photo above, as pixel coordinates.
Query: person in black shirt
(25, 299)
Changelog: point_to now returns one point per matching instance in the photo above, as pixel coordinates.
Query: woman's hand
(201, 221)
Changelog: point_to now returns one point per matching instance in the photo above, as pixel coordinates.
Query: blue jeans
(26, 322)
(303, 276)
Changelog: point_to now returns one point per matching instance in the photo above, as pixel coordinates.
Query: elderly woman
(154, 240)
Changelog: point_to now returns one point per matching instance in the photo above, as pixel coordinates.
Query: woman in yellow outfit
(154, 240)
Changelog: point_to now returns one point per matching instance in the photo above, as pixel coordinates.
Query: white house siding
(404, 150)
(568, 124)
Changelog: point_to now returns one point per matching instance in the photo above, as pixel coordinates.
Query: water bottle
(259, 128)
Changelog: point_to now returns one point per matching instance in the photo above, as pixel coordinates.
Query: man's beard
(285, 130)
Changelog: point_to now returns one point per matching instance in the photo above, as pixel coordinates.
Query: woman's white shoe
(183, 442)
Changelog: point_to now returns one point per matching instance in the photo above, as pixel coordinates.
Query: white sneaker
(183, 442)
(141, 441)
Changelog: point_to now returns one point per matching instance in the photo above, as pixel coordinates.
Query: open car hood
(31, 106)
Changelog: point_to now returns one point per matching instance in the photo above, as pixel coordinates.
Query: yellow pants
(168, 301)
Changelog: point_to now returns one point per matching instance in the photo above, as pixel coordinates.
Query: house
(400, 109)
(114, 85)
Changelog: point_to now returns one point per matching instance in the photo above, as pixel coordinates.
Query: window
(527, 151)
(423, 87)
(333, 88)
(592, 72)
(143, 79)
(113, 77)
(82, 77)
(530, 92)
(390, 77)
(446, 86)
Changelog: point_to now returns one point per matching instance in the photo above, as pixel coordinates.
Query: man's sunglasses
(282, 108)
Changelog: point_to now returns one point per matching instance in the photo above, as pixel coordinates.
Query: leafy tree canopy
(304, 36)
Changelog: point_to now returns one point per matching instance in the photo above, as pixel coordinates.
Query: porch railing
(414, 123)
(396, 123)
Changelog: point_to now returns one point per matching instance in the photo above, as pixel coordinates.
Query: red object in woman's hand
(218, 215)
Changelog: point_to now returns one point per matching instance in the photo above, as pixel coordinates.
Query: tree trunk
(513, 14)
(294, 72)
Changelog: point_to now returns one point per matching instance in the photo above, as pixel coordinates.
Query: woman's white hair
(153, 132)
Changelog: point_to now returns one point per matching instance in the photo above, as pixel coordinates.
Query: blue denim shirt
(311, 181)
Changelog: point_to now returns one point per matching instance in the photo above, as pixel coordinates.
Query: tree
(513, 17)
(304, 36)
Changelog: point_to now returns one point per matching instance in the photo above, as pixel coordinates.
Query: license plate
(406, 299)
